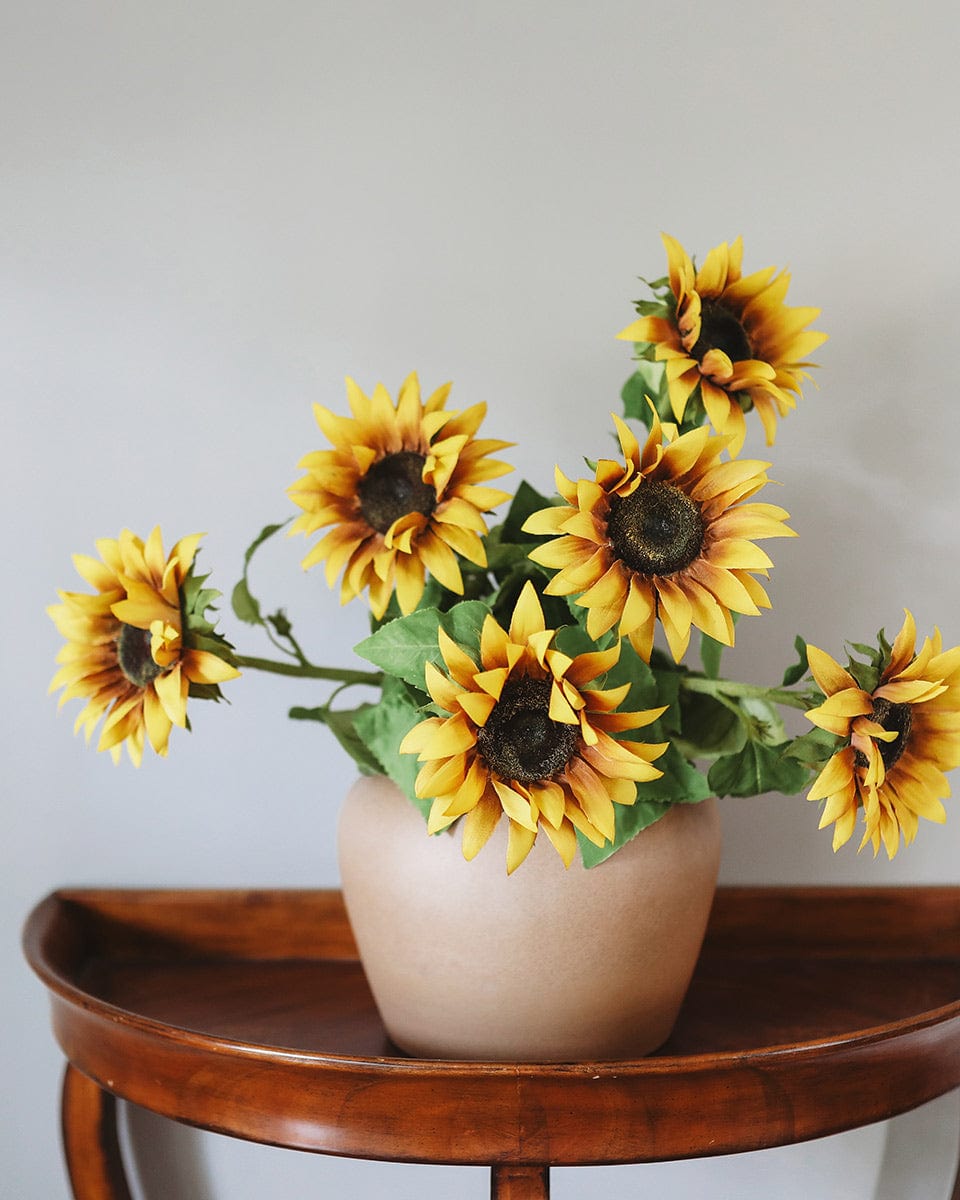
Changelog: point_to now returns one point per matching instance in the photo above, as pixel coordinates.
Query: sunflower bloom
(731, 336)
(526, 736)
(127, 651)
(899, 739)
(667, 535)
(404, 489)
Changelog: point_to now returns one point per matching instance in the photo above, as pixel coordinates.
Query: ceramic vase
(549, 964)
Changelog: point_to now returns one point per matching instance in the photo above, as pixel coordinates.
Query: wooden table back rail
(813, 1010)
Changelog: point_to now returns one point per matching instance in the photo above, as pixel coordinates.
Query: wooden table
(812, 1011)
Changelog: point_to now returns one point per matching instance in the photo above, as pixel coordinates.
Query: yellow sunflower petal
(527, 615)
(828, 673)
(479, 824)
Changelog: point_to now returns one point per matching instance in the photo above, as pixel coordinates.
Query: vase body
(548, 964)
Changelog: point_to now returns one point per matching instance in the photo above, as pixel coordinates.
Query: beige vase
(544, 965)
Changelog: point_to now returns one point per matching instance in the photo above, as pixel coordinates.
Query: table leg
(511, 1182)
(90, 1143)
(955, 1194)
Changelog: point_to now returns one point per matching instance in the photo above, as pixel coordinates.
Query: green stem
(727, 687)
(305, 670)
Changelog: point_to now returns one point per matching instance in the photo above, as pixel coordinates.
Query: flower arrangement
(537, 669)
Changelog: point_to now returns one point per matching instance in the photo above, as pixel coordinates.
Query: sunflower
(899, 739)
(733, 336)
(128, 652)
(665, 535)
(526, 736)
(403, 489)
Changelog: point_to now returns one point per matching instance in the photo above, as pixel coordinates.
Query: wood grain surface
(811, 1011)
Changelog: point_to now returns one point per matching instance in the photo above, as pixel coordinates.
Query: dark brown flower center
(721, 330)
(134, 657)
(519, 740)
(895, 718)
(657, 529)
(394, 488)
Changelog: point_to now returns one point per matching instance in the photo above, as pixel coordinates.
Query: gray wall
(211, 213)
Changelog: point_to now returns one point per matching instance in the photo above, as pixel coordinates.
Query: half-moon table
(812, 1011)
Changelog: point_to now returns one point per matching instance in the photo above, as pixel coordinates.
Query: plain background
(211, 213)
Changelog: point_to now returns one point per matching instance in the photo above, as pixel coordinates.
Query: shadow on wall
(166, 1158)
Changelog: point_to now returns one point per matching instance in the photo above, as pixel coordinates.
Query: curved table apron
(812, 1011)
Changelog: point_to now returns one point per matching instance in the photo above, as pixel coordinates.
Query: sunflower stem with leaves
(535, 670)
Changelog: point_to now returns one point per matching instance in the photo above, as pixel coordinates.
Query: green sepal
(762, 720)
(872, 654)
(651, 308)
(815, 747)
(205, 691)
(199, 630)
(796, 672)
(866, 674)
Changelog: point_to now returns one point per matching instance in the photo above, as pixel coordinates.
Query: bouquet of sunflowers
(537, 669)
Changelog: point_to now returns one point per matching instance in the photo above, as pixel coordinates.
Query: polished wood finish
(520, 1183)
(811, 1011)
(90, 1143)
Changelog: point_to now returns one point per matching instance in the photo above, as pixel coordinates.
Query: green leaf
(264, 535)
(556, 609)
(681, 783)
(644, 684)
(708, 727)
(503, 556)
(342, 723)
(526, 501)
(648, 380)
(245, 604)
(711, 654)
(795, 673)
(383, 726)
(667, 681)
(404, 646)
(757, 769)
(631, 820)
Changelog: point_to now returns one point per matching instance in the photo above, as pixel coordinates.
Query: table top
(812, 1010)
